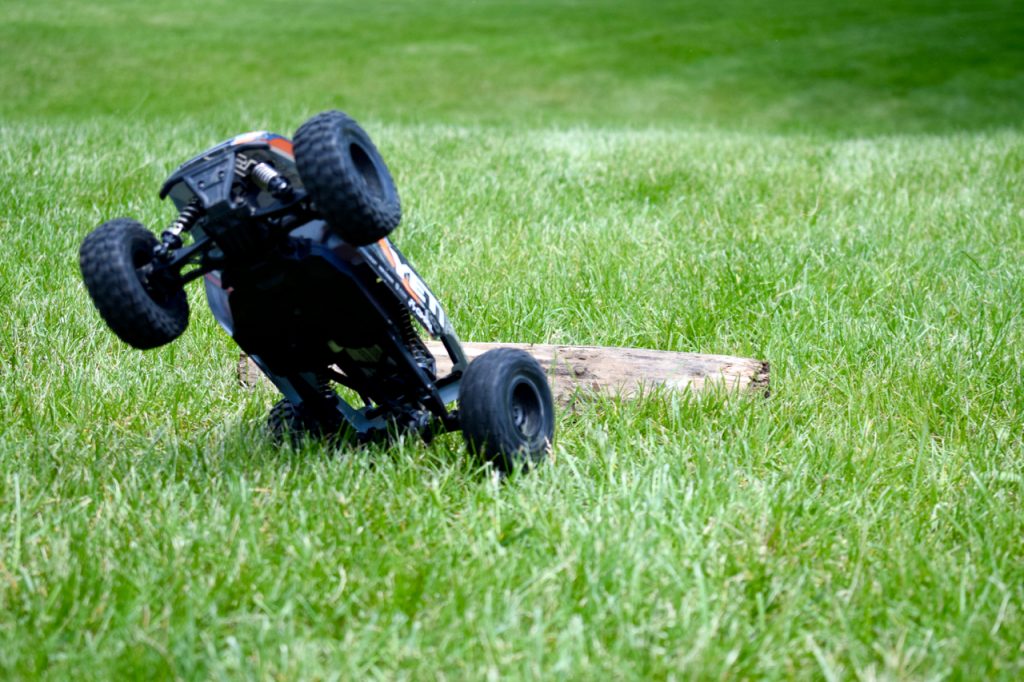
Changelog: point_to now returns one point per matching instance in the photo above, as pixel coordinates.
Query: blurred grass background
(845, 67)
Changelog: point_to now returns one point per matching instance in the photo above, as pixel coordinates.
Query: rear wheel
(286, 423)
(290, 423)
(346, 177)
(505, 409)
(113, 260)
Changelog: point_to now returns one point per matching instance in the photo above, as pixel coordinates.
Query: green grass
(834, 189)
(797, 65)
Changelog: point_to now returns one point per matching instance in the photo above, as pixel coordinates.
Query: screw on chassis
(292, 243)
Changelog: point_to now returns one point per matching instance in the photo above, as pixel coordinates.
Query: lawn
(834, 188)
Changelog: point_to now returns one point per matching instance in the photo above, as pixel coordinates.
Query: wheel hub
(527, 413)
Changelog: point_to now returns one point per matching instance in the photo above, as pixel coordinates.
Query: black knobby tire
(347, 179)
(110, 258)
(505, 409)
(289, 423)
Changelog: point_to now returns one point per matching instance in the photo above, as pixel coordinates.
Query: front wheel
(345, 175)
(113, 259)
(505, 409)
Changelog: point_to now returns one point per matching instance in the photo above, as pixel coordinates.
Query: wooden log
(578, 370)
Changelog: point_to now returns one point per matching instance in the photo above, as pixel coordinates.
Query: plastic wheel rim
(367, 169)
(526, 409)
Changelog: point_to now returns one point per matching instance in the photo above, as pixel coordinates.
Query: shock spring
(267, 177)
(415, 345)
(186, 220)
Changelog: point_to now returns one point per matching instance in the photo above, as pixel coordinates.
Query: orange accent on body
(284, 145)
(386, 248)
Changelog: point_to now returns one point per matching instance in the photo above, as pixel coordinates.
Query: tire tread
(483, 412)
(340, 193)
(105, 259)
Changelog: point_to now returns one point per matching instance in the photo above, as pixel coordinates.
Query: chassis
(291, 242)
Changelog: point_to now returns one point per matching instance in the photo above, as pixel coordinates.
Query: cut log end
(760, 382)
(576, 371)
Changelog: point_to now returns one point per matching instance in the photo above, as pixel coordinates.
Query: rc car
(291, 240)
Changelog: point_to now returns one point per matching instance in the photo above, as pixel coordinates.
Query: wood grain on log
(577, 370)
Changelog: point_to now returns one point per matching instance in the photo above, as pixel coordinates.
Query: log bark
(576, 371)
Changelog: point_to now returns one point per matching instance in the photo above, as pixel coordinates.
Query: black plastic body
(309, 308)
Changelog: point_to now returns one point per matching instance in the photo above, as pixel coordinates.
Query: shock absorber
(171, 237)
(415, 344)
(267, 177)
